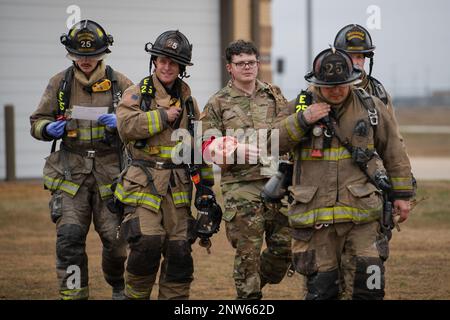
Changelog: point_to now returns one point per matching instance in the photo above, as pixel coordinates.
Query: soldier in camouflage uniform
(155, 191)
(247, 103)
(80, 174)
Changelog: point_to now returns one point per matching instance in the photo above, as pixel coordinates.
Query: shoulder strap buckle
(369, 104)
(373, 117)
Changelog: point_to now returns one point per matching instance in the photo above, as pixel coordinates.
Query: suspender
(378, 90)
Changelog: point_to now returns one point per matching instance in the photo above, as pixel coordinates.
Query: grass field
(417, 269)
(439, 116)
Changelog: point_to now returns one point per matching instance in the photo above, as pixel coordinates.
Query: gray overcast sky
(412, 46)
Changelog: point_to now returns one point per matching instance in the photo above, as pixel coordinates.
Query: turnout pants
(73, 218)
(341, 260)
(153, 236)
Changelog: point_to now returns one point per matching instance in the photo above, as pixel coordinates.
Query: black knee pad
(70, 246)
(145, 255)
(323, 285)
(369, 279)
(305, 262)
(179, 266)
(273, 267)
(113, 269)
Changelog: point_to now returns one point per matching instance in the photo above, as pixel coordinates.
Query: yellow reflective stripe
(74, 294)
(158, 126)
(401, 183)
(297, 126)
(137, 197)
(294, 130)
(207, 173)
(132, 293)
(180, 197)
(330, 214)
(105, 190)
(163, 155)
(160, 151)
(87, 134)
(329, 154)
(39, 127)
(61, 184)
(165, 152)
(286, 124)
(153, 122)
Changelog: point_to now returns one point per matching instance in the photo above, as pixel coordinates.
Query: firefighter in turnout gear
(357, 42)
(79, 175)
(155, 191)
(250, 105)
(340, 135)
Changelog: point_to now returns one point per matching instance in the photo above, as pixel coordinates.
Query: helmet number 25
(85, 43)
(332, 69)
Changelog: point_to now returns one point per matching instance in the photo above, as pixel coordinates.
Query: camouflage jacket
(80, 136)
(231, 108)
(331, 188)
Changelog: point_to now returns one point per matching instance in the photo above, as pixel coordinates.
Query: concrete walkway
(431, 168)
(425, 129)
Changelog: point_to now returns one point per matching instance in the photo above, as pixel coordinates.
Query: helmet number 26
(85, 43)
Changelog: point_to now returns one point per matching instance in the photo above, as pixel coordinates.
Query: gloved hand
(108, 119)
(56, 129)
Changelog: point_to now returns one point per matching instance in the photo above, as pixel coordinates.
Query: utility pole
(309, 33)
(10, 147)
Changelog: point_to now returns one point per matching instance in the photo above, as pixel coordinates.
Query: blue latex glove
(108, 119)
(56, 129)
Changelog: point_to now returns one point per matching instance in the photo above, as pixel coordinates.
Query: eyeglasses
(243, 64)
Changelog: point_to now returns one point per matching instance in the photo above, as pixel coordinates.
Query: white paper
(88, 113)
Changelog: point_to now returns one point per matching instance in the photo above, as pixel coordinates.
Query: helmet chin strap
(150, 66)
(370, 66)
(183, 73)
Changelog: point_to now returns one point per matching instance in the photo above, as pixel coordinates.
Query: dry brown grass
(417, 268)
(425, 145)
(423, 116)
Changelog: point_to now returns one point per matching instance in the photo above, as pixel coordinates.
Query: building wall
(31, 53)
(249, 20)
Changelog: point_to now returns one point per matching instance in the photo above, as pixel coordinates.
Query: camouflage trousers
(73, 218)
(343, 260)
(152, 236)
(248, 223)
